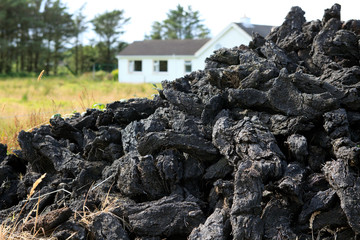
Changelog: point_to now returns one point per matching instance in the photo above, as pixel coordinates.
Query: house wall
(176, 68)
(231, 37)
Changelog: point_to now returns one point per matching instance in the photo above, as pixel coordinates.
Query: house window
(135, 66)
(187, 66)
(160, 66)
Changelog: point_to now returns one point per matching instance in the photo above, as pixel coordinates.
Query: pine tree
(79, 27)
(108, 26)
(180, 24)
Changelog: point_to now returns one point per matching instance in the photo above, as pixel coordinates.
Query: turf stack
(261, 144)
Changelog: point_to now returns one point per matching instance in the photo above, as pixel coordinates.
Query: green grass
(27, 102)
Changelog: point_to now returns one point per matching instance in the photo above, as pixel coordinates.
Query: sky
(216, 15)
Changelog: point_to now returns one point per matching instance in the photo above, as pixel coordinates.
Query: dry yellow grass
(29, 102)
(10, 232)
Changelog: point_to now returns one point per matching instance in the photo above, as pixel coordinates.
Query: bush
(100, 75)
(115, 74)
(18, 75)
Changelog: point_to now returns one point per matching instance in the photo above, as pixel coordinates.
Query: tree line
(43, 34)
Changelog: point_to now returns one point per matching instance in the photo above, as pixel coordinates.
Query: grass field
(26, 102)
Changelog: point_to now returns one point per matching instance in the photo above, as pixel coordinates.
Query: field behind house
(26, 102)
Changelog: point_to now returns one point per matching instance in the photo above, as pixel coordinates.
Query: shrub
(100, 75)
(115, 74)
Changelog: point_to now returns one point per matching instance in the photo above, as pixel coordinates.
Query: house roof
(164, 47)
(263, 30)
(183, 46)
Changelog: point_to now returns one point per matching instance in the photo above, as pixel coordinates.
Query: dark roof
(164, 47)
(263, 30)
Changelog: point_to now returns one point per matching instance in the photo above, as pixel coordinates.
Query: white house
(156, 60)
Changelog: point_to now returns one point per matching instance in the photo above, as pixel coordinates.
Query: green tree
(80, 26)
(58, 31)
(40, 34)
(21, 35)
(35, 43)
(88, 58)
(92, 56)
(180, 24)
(85, 60)
(108, 26)
(22, 16)
(12, 31)
(157, 31)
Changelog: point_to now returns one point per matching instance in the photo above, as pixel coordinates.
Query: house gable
(263, 30)
(230, 37)
(180, 55)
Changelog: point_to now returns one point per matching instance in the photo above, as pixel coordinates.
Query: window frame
(133, 66)
(157, 66)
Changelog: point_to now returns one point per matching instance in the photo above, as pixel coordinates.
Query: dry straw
(36, 183)
(40, 75)
(32, 191)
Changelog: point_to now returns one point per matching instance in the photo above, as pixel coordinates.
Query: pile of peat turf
(261, 144)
